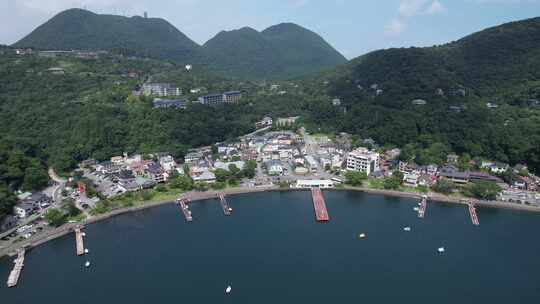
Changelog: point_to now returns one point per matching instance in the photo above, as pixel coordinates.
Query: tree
(483, 190)
(182, 182)
(68, 205)
(444, 186)
(249, 169)
(233, 169)
(392, 183)
(55, 217)
(355, 178)
(222, 175)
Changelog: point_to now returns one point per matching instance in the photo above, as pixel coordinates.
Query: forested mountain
(281, 51)
(284, 50)
(83, 30)
(481, 94)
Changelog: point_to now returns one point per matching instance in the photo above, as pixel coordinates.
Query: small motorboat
(87, 264)
(230, 209)
(86, 250)
(229, 289)
(83, 234)
(441, 249)
(416, 208)
(407, 229)
(362, 235)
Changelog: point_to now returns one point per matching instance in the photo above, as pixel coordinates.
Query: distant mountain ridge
(284, 50)
(493, 61)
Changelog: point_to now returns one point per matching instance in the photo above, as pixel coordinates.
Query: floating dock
(79, 241)
(224, 205)
(185, 209)
(16, 272)
(320, 206)
(423, 207)
(474, 216)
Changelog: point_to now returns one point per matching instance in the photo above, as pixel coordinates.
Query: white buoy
(407, 229)
(229, 289)
(87, 264)
(86, 250)
(441, 249)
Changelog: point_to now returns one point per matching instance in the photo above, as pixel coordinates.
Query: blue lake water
(271, 250)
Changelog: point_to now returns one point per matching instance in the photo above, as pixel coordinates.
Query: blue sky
(353, 27)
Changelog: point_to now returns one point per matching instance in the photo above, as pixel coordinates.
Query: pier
(79, 241)
(185, 209)
(320, 206)
(474, 216)
(423, 207)
(16, 272)
(224, 205)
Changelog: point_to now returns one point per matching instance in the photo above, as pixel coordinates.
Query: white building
(316, 183)
(312, 164)
(363, 160)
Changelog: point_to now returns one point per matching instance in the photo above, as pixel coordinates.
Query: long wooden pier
(224, 205)
(474, 216)
(79, 241)
(185, 209)
(321, 213)
(16, 272)
(423, 207)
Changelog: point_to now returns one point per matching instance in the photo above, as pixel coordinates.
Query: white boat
(86, 250)
(230, 209)
(407, 229)
(87, 264)
(83, 234)
(416, 208)
(362, 235)
(441, 249)
(228, 290)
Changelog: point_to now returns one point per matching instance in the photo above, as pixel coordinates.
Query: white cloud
(436, 7)
(395, 27)
(408, 9)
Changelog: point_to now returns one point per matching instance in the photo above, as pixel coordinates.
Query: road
(60, 184)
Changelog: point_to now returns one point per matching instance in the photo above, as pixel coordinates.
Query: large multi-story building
(161, 89)
(227, 97)
(211, 99)
(232, 96)
(363, 160)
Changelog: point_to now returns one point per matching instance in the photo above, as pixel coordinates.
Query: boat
(441, 249)
(362, 235)
(83, 234)
(407, 229)
(230, 209)
(416, 208)
(86, 250)
(228, 290)
(87, 264)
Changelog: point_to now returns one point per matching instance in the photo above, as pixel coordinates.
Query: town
(276, 156)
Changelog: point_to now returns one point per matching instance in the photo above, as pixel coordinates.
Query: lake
(271, 250)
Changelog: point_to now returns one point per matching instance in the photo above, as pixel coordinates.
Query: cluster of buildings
(160, 89)
(133, 173)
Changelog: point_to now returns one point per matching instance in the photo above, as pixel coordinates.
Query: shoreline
(200, 196)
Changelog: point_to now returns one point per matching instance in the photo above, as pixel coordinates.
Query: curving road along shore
(198, 196)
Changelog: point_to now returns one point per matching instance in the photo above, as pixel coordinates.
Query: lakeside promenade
(194, 196)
